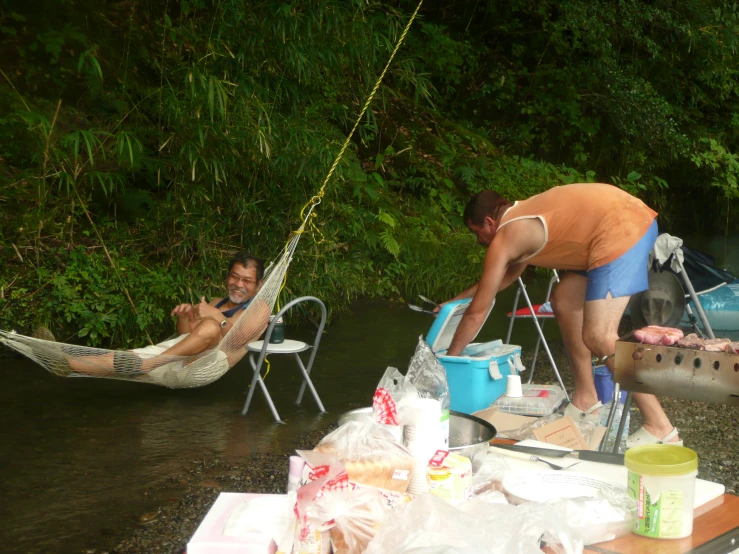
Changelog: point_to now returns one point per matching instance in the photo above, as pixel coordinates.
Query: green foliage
(188, 130)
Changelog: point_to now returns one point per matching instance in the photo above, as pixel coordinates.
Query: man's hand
(205, 310)
(183, 310)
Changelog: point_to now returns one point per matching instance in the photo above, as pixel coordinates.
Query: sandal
(643, 437)
(587, 415)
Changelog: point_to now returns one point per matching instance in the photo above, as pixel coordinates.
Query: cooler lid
(445, 325)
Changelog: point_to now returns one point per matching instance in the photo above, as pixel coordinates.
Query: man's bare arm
(513, 272)
(513, 242)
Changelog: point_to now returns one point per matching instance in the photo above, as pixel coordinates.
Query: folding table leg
(257, 379)
(307, 381)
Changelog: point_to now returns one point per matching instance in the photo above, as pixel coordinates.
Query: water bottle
(278, 333)
(611, 437)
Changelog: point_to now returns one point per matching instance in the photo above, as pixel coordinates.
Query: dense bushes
(188, 130)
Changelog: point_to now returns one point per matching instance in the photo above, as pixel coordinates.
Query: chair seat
(288, 346)
(526, 312)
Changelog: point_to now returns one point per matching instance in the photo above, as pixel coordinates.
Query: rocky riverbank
(708, 429)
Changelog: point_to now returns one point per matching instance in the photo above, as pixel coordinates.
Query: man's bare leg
(600, 333)
(568, 302)
(204, 336)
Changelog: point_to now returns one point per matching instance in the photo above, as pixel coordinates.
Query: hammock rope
(150, 364)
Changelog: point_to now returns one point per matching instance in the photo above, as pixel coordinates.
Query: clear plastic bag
(489, 476)
(526, 432)
(426, 373)
(369, 453)
(394, 392)
(356, 516)
(606, 517)
(428, 524)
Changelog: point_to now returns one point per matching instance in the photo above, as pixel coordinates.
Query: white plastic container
(535, 400)
(662, 481)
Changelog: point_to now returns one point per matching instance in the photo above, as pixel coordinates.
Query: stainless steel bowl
(468, 435)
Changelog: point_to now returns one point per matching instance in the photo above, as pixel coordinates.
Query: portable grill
(679, 372)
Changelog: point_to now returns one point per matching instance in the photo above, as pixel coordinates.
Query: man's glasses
(233, 277)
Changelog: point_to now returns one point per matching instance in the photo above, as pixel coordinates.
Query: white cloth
(176, 374)
(664, 247)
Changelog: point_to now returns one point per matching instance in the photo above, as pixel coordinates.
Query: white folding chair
(535, 313)
(261, 348)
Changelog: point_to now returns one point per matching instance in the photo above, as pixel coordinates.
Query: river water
(79, 456)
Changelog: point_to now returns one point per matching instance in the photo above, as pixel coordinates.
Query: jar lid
(661, 459)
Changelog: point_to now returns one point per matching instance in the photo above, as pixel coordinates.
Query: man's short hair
(487, 203)
(247, 260)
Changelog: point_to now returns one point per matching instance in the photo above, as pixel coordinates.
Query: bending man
(603, 236)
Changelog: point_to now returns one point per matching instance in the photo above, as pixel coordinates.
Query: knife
(587, 455)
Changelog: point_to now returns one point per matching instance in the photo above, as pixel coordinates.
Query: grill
(679, 372)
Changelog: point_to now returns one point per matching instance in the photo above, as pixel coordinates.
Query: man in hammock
(602, 236)
(200, 327)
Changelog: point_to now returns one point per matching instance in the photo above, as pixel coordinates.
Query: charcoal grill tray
(678, 372)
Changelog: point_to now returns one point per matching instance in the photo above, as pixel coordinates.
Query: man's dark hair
(487, 203)
(246, 259)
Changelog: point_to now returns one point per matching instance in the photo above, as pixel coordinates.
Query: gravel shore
(709, 429)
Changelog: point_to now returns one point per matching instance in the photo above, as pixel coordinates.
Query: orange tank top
(586, 225)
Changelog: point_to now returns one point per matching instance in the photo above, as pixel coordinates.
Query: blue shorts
(623, 276)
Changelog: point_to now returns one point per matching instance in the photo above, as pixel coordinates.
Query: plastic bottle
(611, 437)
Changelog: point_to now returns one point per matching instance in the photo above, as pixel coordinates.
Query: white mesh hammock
(146, 365)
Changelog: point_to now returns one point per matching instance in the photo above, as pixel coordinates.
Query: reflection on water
(78, 455)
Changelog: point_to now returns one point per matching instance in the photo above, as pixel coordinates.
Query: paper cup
(513, 387)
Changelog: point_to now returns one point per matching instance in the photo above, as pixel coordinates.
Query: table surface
(710, 521)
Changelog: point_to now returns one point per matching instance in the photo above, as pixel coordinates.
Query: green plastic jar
(662, 481)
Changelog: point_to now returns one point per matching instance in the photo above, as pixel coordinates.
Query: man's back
(586, 225)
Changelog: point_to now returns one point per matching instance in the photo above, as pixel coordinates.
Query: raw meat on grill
(716, 345)
(709, 345)
(691, 341)
(654, 334)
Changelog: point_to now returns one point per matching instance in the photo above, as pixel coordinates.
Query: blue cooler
(478, 377)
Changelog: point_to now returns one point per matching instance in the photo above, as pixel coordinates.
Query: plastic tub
(662, 481)
(536, 400)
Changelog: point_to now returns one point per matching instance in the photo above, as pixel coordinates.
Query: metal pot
(469, 435)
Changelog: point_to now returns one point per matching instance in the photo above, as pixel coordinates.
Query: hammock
(148, 365)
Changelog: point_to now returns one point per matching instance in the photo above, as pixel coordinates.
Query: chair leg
(307, 381)
(541, 336)
(536, 354)
(513, 315)
(257, 379)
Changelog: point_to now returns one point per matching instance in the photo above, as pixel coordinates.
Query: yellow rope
(316, 200)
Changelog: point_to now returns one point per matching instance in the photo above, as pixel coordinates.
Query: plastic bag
(426, 373)
(606, 517)
(430, 524)
(369, 453)
(393, 393)
(356, 516)
(311, 530)
(526, 432)
(489, 476)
